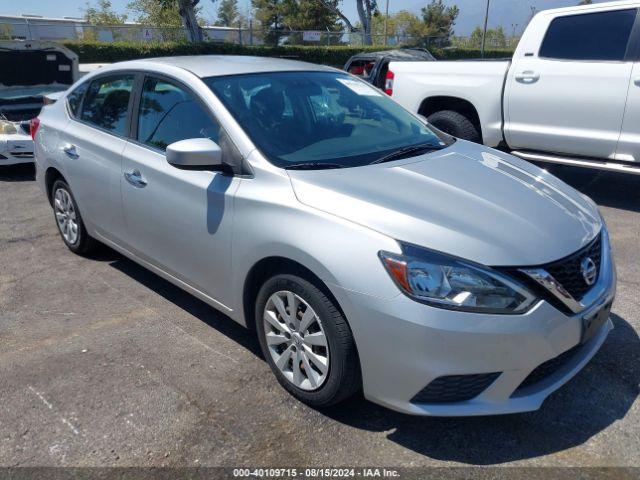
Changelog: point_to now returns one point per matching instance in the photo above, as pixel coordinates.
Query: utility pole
(386, 19)
(484, 32)
(533, 12)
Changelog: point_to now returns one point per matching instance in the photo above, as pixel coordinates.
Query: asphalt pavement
(103, 363)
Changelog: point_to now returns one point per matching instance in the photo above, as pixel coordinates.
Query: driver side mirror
(194, 153)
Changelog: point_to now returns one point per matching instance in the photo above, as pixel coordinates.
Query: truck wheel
(455, 124)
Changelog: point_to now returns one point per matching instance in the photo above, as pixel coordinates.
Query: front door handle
(636, 81)
(70, 151)
(135, 178)
(528, 76)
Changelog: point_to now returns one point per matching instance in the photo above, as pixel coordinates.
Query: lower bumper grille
(455, 388)
(548, 368)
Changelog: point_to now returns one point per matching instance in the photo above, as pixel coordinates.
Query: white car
(32, 74)
(570, 95)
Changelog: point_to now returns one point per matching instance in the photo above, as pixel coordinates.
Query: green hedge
(98, 52)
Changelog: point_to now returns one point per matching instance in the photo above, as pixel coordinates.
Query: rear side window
(74, 99)
(592, 36)
(106, 103)
(168, 113)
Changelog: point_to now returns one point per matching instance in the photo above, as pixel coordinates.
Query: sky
(511, 14)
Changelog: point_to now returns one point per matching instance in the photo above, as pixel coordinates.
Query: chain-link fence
(29, 28)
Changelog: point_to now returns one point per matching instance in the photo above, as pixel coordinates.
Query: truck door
(629, 144)
(567, 93)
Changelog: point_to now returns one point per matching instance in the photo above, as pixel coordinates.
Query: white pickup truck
(570, 94)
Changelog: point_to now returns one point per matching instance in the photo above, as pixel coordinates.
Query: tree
(278, 16)
(228, 13)
(403, 24)
(495, 38)
(310, 15)
(169, 13)
(188, 14)
(270, 18)
(585, 2)
(155, 13)
(439, 20)
(367, 9)
(103, 14)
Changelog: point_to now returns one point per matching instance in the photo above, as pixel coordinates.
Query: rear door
(569, 96)
(178, 220)
(92, 146)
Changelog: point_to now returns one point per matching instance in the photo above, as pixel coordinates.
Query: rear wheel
(455, 124)
(306, 341)
(68, 219)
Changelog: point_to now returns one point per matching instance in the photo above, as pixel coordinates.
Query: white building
(34, 27)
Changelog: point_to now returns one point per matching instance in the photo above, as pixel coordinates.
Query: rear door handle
(636, 81)
(70, 151)
(135, 178)
(528, 76)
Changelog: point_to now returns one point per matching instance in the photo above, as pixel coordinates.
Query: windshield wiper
(408, 151)
(313, 166)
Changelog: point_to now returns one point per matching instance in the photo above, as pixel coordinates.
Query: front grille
(548, 368)
(455, 388)
(568, 272)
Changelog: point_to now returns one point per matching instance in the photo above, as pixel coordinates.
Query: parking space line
(48, 404)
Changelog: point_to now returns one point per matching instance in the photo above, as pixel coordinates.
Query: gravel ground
(102, 363)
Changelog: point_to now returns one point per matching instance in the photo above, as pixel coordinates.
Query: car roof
(218, 65)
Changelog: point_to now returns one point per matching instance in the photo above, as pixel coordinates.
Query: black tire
(343, 379)
(455, 124)
(84, 244)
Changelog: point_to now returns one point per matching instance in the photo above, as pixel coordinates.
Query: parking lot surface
(103, 363)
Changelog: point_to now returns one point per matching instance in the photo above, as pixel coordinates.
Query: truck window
(591, 36)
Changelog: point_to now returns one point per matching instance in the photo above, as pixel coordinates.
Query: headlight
(447, 282)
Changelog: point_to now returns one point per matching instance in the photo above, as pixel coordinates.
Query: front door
(178, 220)
(569, 95)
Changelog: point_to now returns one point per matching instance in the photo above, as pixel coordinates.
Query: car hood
(467, 200)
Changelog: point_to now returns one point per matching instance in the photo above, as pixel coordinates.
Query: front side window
(106, 103)
(591, 36)
(319, 118)
(169, 113)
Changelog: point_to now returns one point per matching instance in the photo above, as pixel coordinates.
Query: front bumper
(404, 345)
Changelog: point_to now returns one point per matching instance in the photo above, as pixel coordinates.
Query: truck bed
(479, 82)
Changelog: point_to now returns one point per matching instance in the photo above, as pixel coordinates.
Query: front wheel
(306, 341)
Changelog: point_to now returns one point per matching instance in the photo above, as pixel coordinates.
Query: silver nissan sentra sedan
(366, 249)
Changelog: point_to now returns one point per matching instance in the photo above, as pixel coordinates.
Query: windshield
(321, 119)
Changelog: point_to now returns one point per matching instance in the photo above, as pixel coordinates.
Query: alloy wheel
(66, 215)
(296, 340)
